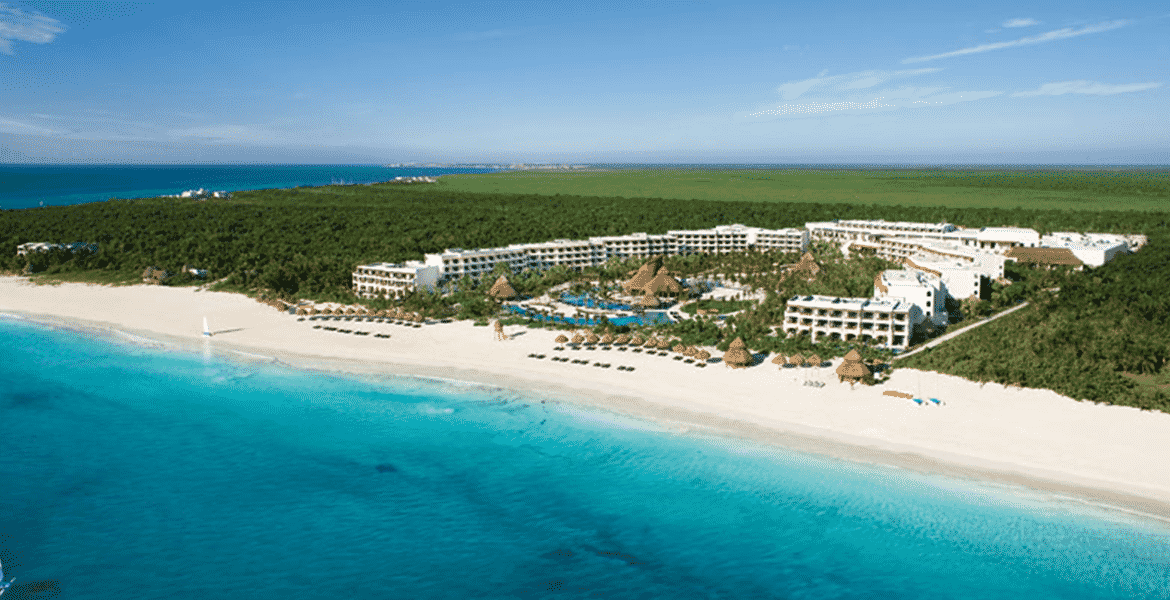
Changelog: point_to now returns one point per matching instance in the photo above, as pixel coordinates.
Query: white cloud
(850, 81)
(1020, 22)
(15, 24)
(1086, 87)
(1051, 36)
(909, 97)
(22, 128)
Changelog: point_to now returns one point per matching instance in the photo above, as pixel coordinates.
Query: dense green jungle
(1099, 335)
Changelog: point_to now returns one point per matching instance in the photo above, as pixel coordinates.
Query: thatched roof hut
(501, 289)
(815, 360)
(796, 359)
(644, 275)
(853, 368)
(607, 338)
(562, 339)
(650, 343)
(779, 360)
(637, 340)
(664, 344)
(578, 339)
(679, 349)
(703, 355)
(737, 355)
(592, 338)
(662, 282)
(649, 301)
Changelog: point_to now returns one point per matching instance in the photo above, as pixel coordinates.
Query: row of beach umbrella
(397, 313)
(635, 341)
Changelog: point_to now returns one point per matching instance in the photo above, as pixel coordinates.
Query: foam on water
(168, 474)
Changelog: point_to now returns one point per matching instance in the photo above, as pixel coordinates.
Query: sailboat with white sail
(206, 329)
(4, 585)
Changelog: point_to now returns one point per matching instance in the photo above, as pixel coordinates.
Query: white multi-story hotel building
(456, 263)
(887, 322)
(1094, 249)
(925, 291)
(394, 280)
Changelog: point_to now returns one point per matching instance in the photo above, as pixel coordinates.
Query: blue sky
(588, 82)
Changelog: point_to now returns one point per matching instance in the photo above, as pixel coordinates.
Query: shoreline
(981, 434)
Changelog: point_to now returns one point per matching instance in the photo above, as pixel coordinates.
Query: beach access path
(945, 337)
(1029, 437)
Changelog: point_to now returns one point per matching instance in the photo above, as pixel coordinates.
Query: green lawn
(1052, 189)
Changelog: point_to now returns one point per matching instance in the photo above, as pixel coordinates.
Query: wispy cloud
(1051, 36)
(850, 81)
(18, 25)
(491, 34)
(22, 128)
(224, 133)
(907, 97)
(1020, 22)
(1087, 87)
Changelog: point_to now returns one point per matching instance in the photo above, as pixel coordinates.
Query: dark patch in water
(560, 554)
(27, 400)
(386, 468)
(36, 590)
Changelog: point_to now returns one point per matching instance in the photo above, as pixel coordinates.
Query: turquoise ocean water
(139, 471)
(26, 186)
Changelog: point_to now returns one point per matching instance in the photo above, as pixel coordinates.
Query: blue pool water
(649, 317)
(150, 472)
(26, 186)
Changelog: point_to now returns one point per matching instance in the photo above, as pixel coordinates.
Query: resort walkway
(937, 341)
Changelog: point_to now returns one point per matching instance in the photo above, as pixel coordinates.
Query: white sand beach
(1113, 455)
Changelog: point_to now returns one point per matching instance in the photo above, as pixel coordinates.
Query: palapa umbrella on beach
(637, 340)
(592, 338)
(561, 339)
(737, 355)
(703, 355)
(607, 338)
(578, 339)
(779, 360)
(815, 360)
(796, 360)
(852, 369)
(621, 339)
(679, 349)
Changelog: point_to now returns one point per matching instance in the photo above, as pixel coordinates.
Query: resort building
(456, 263)
(738, 238)
(1093, 249)
(394, 280)
(924, 291)
(887, 321)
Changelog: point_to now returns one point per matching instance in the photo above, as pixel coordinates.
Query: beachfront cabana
(562, 339)
(578, 339)
(501, 289)
(607, 338)
(779, 360)
(796, 360)
(815, 360)
(592, 339)
(737, 355)
(853, 369)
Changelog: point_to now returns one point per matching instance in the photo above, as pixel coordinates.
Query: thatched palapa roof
(779, 360)
(644, 275)
(853, 369)
(501, 289)
(737, 354)
(607, 338)
(796, 359)
(815, 360)
(562, 339)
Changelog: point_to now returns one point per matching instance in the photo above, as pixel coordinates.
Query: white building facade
(393, 280)
(885, 322)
